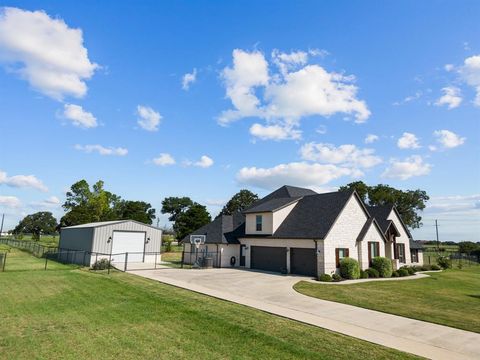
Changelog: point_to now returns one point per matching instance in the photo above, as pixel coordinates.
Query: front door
(242, 255)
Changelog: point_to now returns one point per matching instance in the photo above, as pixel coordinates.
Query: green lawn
(67, 313)
(449, 298)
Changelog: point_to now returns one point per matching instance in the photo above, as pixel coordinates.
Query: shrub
(167, 243)
(363, 274)
(101, 264)
(417, 268)
(403, 272)
(435, 267)
(372, 273)
(383, 266)
(349, 268)
(325, 278)
(444, 262)
(410, 269)
(395, 273)
(426, 267)
(336, 277)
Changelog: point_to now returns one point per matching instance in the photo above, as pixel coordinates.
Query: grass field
(449, 298)
(67, 313)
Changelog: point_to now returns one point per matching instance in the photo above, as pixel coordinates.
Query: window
(401, 252)
(414, 253)
(258, 221)
(373, 250)
(340, 253)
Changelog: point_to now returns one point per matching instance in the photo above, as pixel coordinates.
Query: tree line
(85, 204)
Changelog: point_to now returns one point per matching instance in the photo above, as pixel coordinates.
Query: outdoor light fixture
(148, 240)
(109, 240)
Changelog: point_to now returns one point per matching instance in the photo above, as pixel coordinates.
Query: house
(110, 239)
(297, 231)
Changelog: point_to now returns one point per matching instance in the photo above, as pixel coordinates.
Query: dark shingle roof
(371, 221)
(285, 192)
(313, 216)
(271, 205)
(381, 213)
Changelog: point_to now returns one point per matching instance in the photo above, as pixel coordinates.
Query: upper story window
(259, 222)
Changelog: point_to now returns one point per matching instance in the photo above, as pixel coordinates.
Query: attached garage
(268, 258)
(303, 261)
(87, 243)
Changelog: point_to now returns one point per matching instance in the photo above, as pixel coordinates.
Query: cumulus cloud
(348, 155)
(470, 72)
(405, 169)
(148, 119)
(204, 162)
(45, 51)
(285, 96)
(22, 181)
(454, 203)
(408, 141)
(79, 117)
(451, 97)
(50, 202)
(296, 173)
(370, 138)
(102, 150)
(188, 79)
(10, 201)
(275, 132)
(164, 159)
(448, 139)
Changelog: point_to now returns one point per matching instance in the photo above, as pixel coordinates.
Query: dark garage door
(302, 261)
(268, 258)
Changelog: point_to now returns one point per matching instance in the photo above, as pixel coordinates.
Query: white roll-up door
(128, 241)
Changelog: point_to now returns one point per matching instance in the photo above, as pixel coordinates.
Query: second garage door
(128, 241)
(268, 258)
(303, 261)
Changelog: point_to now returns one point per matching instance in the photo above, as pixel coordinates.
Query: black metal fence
(458, 259)
(201, 259)
(34, 248)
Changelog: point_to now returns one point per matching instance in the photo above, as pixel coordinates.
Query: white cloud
(408, 141)
(295, 173)
(274, 132)
(282, 98)
(416, 96)
(79, 117)
(451, 97)
(10, 201)
(188, 79)
(148, 119)
(348, 155)
(410, 167)
(448, 139)
(455, 203)
(164, 159)
(51, 202)
(321, 129)
(370, 138)
(449, 67)
(215, 202)
(470, 72)
(204, 162)
(45, 52)
(22, 181)
(102, 150)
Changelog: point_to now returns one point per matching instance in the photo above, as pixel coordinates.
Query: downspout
(316, 257)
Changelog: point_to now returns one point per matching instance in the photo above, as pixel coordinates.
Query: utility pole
(1, 227)
(158, 221)
(436, 229)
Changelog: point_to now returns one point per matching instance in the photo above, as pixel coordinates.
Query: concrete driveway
(274, 294)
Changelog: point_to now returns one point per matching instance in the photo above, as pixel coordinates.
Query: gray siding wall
(75, 239)
(102, 234)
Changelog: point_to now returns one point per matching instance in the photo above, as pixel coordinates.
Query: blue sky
(202, 99)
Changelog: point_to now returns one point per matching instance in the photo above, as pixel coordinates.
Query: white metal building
(111, 239)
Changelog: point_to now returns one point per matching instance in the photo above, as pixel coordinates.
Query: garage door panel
(268, 258)
(303, 261)
(128, 241)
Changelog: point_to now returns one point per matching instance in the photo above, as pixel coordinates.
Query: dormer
(266, 217)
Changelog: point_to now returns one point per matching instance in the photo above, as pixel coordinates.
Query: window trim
(337, 255)
(402, 256)
(376, 252)
(258, 224)
(414, 255)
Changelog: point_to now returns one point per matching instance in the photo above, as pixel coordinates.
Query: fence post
(126, 262)
(46, 260)
(109, 263)
(4, 261)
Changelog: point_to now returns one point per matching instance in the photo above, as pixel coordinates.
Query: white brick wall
(344, 233)
(403, 238)
(372, 235)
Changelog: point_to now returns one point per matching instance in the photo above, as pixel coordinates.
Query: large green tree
(41, 222)
(188, 221)
(175, 206)
(84, 205)
(409, 203)
(240, 201)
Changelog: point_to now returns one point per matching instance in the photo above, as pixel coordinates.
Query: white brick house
(298, 231)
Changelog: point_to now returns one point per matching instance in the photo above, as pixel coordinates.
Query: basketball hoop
(197, 240)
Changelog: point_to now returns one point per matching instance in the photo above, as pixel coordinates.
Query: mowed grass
(20, 260)
(77, 314)
(451, 297)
